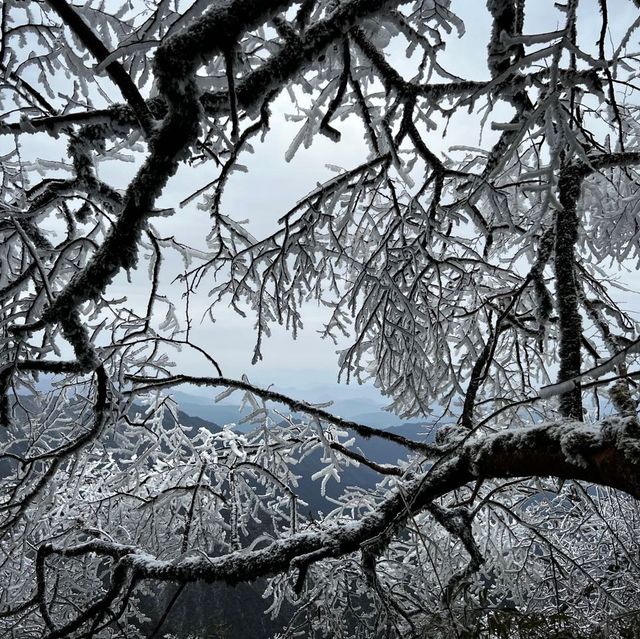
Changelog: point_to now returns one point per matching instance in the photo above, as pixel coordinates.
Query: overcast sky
(271, 186)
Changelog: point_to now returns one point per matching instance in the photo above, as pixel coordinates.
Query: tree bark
(570, 322)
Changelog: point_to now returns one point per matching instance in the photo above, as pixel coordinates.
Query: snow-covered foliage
(475, 261)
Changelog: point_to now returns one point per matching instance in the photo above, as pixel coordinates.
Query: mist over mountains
(362, 404)
(202, 411)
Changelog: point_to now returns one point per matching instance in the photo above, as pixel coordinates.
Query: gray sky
(271, 186)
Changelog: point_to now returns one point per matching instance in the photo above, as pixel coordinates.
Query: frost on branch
(474, 263)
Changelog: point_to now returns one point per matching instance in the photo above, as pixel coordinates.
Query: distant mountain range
(200, 411)
(366, 408)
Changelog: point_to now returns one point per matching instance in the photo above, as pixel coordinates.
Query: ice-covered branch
(607, 453)
(567, 292)
(115, 70)
(145, 383)
(570, 322)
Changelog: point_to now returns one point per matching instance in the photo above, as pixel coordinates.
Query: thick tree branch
(115, 70)
(570, 322)
(567, 293)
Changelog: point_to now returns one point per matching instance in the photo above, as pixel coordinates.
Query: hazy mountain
(367, 408)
